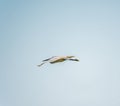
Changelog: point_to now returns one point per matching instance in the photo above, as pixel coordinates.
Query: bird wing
(41, 64)
(45, 61)
(48, 59)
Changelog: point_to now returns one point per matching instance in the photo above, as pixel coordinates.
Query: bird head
(75, 59)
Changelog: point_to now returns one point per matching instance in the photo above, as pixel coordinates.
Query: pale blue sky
(35, 30)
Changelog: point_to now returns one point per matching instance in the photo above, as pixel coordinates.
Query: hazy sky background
(31, 31)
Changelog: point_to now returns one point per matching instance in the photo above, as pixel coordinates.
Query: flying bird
(57, 59)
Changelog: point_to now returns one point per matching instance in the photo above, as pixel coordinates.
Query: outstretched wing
(45, 61)
(48, 59)
(41, 64)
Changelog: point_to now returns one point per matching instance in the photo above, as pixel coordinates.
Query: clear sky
(31, 31)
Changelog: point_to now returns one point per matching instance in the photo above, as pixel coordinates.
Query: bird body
(57, 59)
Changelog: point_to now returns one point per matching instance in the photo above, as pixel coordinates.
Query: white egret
(56, 59)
